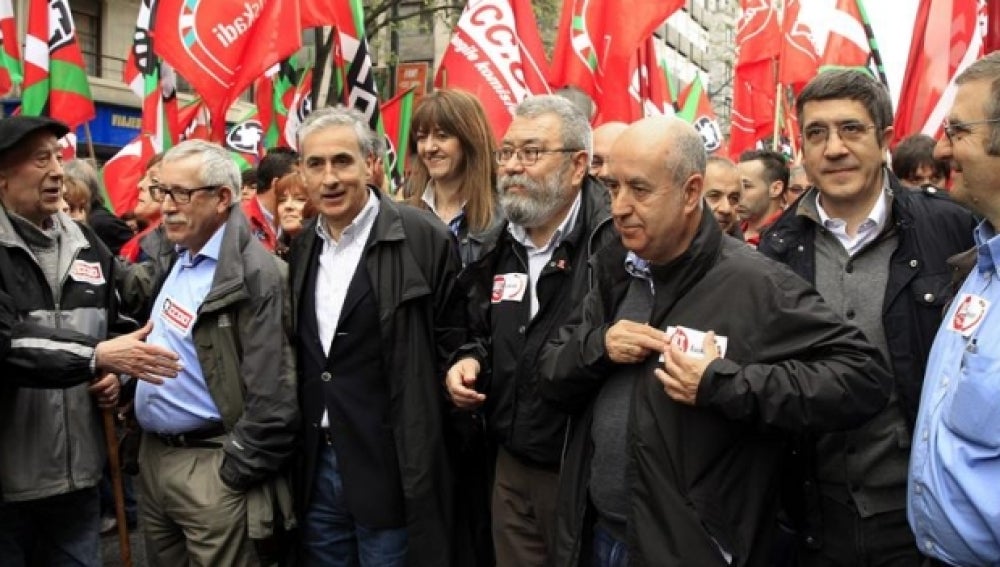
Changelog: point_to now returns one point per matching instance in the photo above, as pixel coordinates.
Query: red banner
(221, 46)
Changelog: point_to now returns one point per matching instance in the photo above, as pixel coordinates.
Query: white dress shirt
(868, 230)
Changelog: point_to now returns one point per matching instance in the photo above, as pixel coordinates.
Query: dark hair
(249, 177)
(915, 151)
(850, 84)
(277, 163)
(775, 165)
(987, 69)
(458, 114)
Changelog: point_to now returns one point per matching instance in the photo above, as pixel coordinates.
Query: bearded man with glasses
(877, 253)
(531, 275)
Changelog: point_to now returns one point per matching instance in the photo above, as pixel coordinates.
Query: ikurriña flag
(396, 117)
(11, 72)
(495, 54)
(55, 80)
(222, 46)
(153, 81)
(696, 109)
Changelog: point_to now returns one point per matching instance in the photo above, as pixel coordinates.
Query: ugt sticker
(509, 287)
(87, 272)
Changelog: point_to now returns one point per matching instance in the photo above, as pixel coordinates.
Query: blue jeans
(332, 538)
(609, 551)
(57, 531)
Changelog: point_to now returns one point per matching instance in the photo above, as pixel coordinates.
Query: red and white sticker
(509, 287)
(969, 314)
(87, 272)
(179, 317)
(692, 341)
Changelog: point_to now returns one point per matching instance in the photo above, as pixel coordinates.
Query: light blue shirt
(183, 403)
(954, 485)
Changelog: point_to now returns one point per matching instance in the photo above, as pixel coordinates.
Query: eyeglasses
(528, 156)
(180, 195)
(847, 131)
(952, 128)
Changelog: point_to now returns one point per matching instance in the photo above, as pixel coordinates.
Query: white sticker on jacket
(177, 316)
(509, 287)
(969, 315)
(691, 341)
(87, 272)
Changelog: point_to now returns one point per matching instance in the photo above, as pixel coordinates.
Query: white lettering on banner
(490, 25)
(227, 34)
(469, 51)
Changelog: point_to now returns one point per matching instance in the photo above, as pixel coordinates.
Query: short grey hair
(987, 69)
(332, 116)
(217, 165)
(576, 132)
(85, 172)
(687, 156)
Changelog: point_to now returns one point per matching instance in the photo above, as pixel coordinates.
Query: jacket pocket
(973, 412)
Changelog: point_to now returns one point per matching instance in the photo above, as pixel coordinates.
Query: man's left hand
(105, 390)
(681, 374)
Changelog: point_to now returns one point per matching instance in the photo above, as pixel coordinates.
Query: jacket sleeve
(40, 356)
(573, 365)
(263, 438)
(449, 310)
(812, 371)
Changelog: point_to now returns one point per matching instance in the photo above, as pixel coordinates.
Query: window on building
(87, 19)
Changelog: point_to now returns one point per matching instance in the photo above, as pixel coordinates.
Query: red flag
(220, 47)
(495, 54)
(124, 170)
(596, 43)
(798, 60)
(758, 38)
(11, 72)
(316, 13)
(946, 40)
(299, 107)
(649, 92)
(192, 121)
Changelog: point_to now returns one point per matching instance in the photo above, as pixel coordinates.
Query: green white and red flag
(396, 117)
(245, 141)
(153, 81)
(222, 46)
(496, 54)
(277, 93)
(55, 79)
(696, 109)
(11, 72)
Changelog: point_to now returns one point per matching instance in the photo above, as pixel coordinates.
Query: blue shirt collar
(987, 247)
(209, 250)
(637, 267)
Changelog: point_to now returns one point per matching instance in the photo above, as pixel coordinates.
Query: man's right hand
(128, 354)
(461, 383)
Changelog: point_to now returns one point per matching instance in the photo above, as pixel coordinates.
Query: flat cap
(14, 129)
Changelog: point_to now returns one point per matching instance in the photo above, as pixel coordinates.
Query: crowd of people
(571, 346)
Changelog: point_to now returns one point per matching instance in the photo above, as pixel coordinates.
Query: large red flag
(496, 55)
(124, 170)
(798, 62)
(316, 13)
(847, 43)
(596, 43)
(946, 40)
(758, 39)
(221, 46)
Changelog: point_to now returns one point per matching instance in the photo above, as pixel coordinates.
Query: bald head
(604, 137)
(655, 174)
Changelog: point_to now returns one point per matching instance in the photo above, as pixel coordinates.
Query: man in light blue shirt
(954, 484)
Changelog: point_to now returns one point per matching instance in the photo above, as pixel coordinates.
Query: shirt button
(326, 376)
(849, 269)
(944, 382)
(521, 329)
(914, 263)
(850, 314)
(918, 489)
(928, 545)
(928, 297)
(924, 435)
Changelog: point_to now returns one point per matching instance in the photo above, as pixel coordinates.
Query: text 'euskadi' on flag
(221, 46)
(500, 74)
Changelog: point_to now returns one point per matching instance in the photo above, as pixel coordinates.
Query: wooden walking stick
(117, 488)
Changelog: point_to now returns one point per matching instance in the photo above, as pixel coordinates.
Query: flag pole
(872, 44)
(90, 142)
(778, 91)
